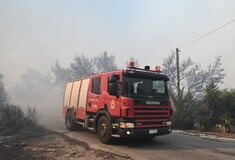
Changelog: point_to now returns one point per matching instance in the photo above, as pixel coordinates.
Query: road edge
(205, 136)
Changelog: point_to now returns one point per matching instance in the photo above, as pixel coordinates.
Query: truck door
(94, 102)
(113, 99)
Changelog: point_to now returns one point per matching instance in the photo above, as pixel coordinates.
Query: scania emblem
(152, 102)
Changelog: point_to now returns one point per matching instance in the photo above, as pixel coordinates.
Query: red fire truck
(133, 102)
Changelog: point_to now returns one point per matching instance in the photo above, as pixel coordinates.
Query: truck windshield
(144, 87)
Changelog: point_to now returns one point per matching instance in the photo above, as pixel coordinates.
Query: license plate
(153, 131)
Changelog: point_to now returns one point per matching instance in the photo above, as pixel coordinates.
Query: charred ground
(21, 137)
(38, 143)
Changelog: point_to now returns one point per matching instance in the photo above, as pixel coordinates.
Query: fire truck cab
(122, 103)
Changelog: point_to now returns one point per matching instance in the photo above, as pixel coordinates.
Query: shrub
(12, 118)
(227, 121)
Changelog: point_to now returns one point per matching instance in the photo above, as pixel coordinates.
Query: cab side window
(113, 87)
(96, 85)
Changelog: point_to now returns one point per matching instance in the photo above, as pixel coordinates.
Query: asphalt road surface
(168, 147)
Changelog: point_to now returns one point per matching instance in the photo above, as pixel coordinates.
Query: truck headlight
(130, 125)
(168, 123)
(122, 125)
(126, 125)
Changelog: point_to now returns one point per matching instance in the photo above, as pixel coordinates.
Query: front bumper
(132, 132)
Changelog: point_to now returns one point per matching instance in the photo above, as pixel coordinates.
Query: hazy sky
(33, 34)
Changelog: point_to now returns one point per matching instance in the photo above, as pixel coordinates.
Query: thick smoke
(45, 91)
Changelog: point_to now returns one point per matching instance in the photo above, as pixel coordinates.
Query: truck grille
(151, 116)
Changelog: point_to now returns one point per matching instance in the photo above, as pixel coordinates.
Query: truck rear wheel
(104, 130)
(69, 122)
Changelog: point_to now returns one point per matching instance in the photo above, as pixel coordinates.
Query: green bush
(226, 121)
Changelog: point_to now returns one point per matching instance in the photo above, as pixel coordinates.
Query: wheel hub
(103, 129)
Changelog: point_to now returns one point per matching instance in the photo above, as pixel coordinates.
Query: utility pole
(178, 71)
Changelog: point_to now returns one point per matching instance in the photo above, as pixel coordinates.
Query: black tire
(104, 130)
(69, 121)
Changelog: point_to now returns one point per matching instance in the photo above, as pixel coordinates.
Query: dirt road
(41, 144)
(173, 146)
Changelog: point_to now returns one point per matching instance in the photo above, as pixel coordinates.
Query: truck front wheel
(69, 122)
(104, 130)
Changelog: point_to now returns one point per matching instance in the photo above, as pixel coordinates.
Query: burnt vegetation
(17, 126)
(12, 117)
